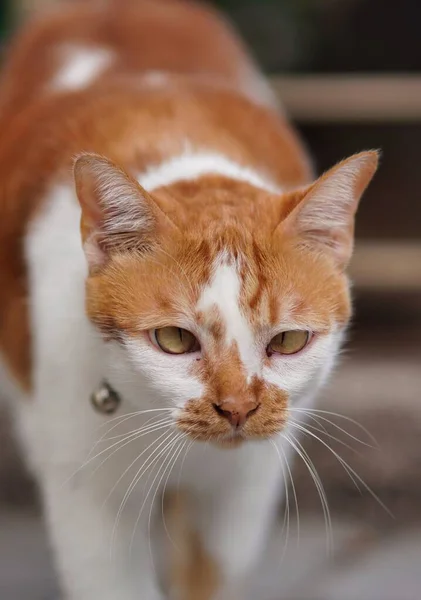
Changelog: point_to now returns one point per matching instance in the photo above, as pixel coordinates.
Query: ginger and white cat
(161, 232)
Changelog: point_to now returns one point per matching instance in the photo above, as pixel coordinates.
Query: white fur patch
(301, 375)
(81, 66)
(155, 79)
(165, 374)
(223, 291)
(192, 166)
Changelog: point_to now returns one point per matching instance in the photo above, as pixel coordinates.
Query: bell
(105, 400)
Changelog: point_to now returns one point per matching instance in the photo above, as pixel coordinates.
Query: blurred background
(349, 74)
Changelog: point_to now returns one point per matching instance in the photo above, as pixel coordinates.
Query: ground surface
(365, 567)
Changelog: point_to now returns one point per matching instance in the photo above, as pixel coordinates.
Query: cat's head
(220, 300)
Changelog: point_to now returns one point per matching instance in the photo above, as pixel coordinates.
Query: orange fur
(131, 296)
(193, 573)
(140, 281)
(134, 124)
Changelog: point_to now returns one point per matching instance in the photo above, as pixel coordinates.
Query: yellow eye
(289, 342)
(175, 340)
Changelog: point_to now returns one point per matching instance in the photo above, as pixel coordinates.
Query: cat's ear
(323, 218)
(117, 214)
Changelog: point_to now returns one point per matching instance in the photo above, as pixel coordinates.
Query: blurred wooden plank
(394, 266)
(350, 98)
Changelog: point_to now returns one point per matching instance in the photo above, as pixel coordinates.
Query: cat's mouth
(225, 426)
(228, 437)
(233, 440)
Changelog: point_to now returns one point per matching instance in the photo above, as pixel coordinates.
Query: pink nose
(236, 412)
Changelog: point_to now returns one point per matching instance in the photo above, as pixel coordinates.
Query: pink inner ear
(86, 173)
(324, 218)
(117, 215)
(91, 213)
(95, 256)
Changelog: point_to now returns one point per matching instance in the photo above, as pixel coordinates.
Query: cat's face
(228, 322)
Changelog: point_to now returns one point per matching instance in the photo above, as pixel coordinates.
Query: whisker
(294, 491)
(136, 413)
(178, 492)
(319, 418)
(130, 466)
(170, 468)
(329, 435)
(130, 436)
(154, 430)
(286, 519)
(321, 412)
(309, 433)
(122, 419)
(146, 425)
(162, 468)
(127, 418)
(352, 473)
(189, 445)
(127, 436)
(313, 418)
(148, 463)
(300, 450)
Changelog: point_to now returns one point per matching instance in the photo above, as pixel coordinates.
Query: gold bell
(105, 400)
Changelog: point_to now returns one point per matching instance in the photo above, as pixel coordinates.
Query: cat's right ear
(117, 214)
(323, 218)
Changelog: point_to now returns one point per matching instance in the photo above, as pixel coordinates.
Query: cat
(173, 290)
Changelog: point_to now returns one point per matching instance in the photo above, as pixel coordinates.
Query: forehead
(234, 287)
(252, 292)
(244, 289)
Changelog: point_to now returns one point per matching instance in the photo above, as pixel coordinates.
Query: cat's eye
(174, 340)
(289, 342)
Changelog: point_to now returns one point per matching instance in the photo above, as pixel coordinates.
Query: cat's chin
(233, 441)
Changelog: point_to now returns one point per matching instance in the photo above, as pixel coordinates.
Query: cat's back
(138, 81)
(80, 43)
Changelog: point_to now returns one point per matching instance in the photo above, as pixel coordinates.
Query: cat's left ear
(323, 219)
(118, 215)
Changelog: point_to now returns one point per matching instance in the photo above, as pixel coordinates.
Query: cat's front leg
(238, 538)
(236, 525)
(80, 534)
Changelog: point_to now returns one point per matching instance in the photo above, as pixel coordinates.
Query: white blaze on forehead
(223, 292)
(81, 66)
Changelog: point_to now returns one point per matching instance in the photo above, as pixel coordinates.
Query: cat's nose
(236, 412)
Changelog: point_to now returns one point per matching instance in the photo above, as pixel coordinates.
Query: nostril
(252, 411)
(221, 412)
(237, 416)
